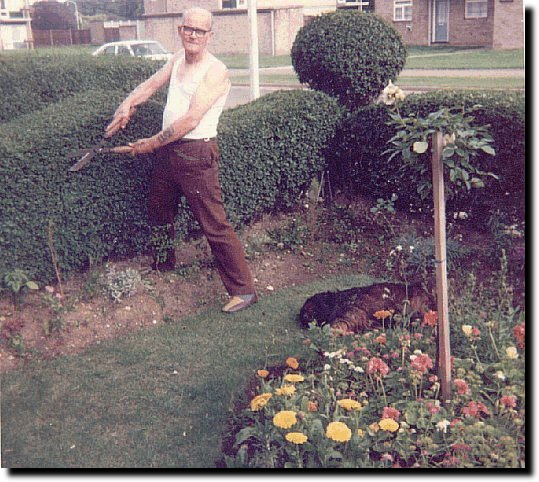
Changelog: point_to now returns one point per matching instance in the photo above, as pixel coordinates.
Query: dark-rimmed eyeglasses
(189, 31)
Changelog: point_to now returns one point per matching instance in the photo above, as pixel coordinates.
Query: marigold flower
(297, 438)
(312, 407)
(382, 339)
(374, 427)
(285, 419)
(388, 424)
(262, 373)
(467, 330)
(292, 363)
(292, 377)
(286, 390)
(260, 401)
(382, 314)
(349, 404)
(360, 433)
(338, 431)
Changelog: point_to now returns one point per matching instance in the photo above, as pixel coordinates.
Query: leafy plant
(17, 282)
(121, 284)
(348, 55)
(462, 142)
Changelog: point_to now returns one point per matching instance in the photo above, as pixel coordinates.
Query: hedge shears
(86, 155)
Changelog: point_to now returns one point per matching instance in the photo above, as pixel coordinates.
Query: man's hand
(144, 146)
(120, 120)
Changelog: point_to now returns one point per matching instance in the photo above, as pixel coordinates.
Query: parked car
(149, 49)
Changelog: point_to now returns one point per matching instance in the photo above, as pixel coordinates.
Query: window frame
(402, 6)
(467, 14)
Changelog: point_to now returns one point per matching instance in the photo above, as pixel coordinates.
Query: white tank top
(180, 95)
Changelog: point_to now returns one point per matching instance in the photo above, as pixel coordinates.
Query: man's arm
(213, 86)
(140, 95)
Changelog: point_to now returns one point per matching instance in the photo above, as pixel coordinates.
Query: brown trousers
(190, 168)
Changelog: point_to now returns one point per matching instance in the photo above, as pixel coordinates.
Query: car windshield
(148, 49)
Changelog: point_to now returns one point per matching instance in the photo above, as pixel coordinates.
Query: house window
(476, 9)
(234, 4)
(402, 10)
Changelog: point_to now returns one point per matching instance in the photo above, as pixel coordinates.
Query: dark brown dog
(353, 309)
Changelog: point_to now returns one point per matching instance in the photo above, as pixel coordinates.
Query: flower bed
(371, 400)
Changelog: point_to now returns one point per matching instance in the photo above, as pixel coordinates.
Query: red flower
(475, 332)
(461, 386)
(432, 408)
(450, 461)
(418, 336)
(462, 449)
(455, 421)
(377, 365)
(509, 401)
(474, 409)
(430, 318)
(520, 334)
(422, 363)
(390, 412)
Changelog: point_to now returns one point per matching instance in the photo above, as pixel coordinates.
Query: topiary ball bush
(349, 55)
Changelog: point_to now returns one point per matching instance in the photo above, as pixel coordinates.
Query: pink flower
(475, 332)
(461, 386)
(432, 408)
(418, 336)
(450, 461)
(422, 363)
(509, 401)
(461, 448)
(475, 409)
(455, 421)
(377, 365)
(390, 412)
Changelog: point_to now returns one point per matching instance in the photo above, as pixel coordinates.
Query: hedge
(32, 82)
(270, 149)
(359, 165)
(348, 55)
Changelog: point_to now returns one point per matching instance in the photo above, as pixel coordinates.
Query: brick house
(15, 24)
(497, 24)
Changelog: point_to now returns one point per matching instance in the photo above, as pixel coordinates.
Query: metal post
(253, 50)
(444, 355)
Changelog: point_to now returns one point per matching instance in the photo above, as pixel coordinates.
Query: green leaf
(32, 285)
(488, 150)
(246, 433)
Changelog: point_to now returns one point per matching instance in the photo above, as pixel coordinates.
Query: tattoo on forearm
(166, 135)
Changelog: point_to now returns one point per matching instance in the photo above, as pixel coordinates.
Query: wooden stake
(444, 355)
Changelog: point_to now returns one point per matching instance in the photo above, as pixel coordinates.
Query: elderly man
(187, 154)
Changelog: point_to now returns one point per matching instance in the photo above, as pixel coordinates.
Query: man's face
(195, 33)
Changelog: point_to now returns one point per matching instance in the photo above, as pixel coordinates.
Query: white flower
(467, 330)
(398, 247)
(359, 370)
(500, 375)
(327, 367)
(442, 426)
(511, 352)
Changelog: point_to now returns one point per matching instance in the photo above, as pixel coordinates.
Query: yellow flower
(292, 377)
(349, 404)
(262, 373)
(360, 433)
(286, 390)
(467, 330)
(511, 352)
(285, 419)
(297, 438)
(260, 401)
(292, 363)
(339, 432)
(389, 425)
(374, 427)
(382, 314)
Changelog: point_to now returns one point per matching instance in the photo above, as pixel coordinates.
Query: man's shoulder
(217, 63)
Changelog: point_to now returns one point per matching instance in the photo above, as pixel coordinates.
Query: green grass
(121, 404)
(242, 61)
(463, 58)
(277, 79)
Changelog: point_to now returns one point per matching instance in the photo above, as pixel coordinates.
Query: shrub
(270, 150)
(359, 165)
(31, 82)
(348, 55)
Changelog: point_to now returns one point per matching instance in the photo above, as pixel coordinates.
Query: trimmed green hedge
(270, 149)
(32, 82)
(349, 55)
(358, 165)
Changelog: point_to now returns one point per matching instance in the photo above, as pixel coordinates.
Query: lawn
(159, 398)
